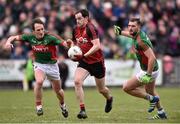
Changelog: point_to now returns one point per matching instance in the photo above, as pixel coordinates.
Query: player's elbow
(98, 46)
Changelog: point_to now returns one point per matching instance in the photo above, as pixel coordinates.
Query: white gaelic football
(74, 50)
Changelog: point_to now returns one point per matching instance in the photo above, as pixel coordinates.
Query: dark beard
(134, 34)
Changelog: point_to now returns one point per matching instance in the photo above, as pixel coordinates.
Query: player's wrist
(63, 43)
(84, 55)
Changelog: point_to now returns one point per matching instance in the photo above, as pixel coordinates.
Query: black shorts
(95, 69)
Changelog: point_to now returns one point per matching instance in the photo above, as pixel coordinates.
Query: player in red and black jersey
(86, 37)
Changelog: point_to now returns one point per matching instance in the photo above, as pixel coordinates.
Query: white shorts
(142, 73)
(51, 70)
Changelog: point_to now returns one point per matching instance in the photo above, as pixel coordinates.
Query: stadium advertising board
(117, 72)
(10, 70)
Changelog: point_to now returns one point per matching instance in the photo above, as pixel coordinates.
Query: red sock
(38, 103)
(110, 98)
(61, 103)
(82, 107)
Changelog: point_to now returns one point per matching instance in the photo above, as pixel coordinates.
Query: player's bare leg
(40, 77)
(56, 85)
(132, 87)
(100, 83)
(58, 90)
(80, 76)
(150, 89)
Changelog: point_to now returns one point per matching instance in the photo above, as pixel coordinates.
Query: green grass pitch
(17, 106)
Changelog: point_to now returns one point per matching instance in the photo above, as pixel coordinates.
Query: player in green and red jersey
(149, 67)
(45, 64)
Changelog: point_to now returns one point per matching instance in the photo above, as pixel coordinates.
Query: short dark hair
(135, 20)
(84, 12)
(36, 20)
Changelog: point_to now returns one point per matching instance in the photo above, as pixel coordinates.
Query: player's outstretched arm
(63, 42)
(119, 31)
(66, 43)
(8, 44)
(55, 35)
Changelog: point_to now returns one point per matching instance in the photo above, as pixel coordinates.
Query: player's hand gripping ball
(75, 53)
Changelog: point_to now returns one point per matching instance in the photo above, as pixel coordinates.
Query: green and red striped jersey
(44, 50)
(140, 52)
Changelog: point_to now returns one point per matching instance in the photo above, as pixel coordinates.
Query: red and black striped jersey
(82, 36)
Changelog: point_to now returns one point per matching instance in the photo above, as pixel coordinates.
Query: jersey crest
(81, 40)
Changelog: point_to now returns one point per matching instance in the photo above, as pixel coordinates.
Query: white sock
(161, 111)
(63, 105)
(149, 97)
(39, 107)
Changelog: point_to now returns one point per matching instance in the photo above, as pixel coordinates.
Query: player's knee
(78, 82)
(125, 88)
(59, 92)
(57, 88)
(102, 91)
(39, 83)
(38, 86)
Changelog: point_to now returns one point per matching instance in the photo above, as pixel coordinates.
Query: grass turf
(17, 106)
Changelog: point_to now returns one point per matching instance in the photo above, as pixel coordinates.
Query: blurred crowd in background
(160, 20)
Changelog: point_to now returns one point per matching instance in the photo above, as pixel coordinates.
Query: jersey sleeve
(146, 44)
(25, 37)
(55, 40)
(92, 32)
(145, 39)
